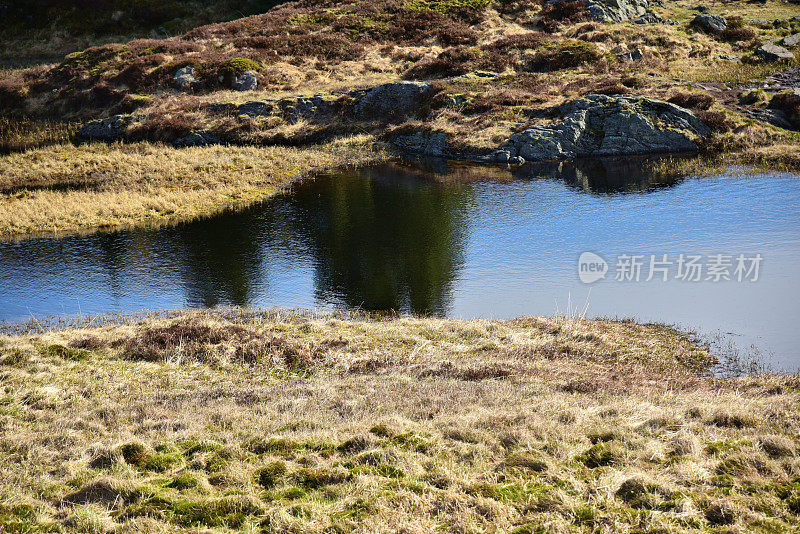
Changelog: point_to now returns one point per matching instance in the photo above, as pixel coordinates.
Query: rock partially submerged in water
(601, 125)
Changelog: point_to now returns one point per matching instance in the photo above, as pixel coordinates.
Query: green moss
(193, 446)
(316, 478)
(293, 493)
(525, 460)
(282, 446)
(65, 353)
(411, 441)
(445, 6)
(184, 481)
(13, 357)
(134, 454)
(240, 65)
(23, 518)
(161, 462)
(230, 511)
(600, 455)
(271, 475)
(382, 431)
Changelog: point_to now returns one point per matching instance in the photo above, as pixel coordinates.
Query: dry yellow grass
(67, 188)
(293, 422)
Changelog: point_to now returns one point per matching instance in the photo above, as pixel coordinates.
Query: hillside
(494, 81)
(282, 422)
(46, 30)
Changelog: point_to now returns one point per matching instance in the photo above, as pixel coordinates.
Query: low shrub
(735, 35)
(563, 54)
(789, 103)
(716, 120)
(692, 100)
(566, 12)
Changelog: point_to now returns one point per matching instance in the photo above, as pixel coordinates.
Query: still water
(453, 240)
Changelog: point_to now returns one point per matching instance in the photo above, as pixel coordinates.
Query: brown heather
(294, 422)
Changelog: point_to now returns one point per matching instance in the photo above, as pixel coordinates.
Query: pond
(721, 253)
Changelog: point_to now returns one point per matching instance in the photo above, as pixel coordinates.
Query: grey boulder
(602, 125)
(185, 78)
(770, 52)
(246, 81)
(710, 23)
(792, 40)
(393, 100)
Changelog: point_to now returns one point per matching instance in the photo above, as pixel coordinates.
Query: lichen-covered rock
(255, 108)
(185, 78)
(615, 10)
(307, 107)
(246, 81)
(393, 100)
(710, 23)
(770, 52)
(110, 129)
(601, 125)
(425, 143)
(198, 138)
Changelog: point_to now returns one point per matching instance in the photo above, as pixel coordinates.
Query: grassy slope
(293, 422)
(83, 188)
(302, 48)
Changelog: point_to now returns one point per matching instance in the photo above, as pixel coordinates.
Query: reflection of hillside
(393, 242)
(600, 176)
(597, 176)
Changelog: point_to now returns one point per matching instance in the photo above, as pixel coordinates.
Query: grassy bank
(291, 422)
(65, 188)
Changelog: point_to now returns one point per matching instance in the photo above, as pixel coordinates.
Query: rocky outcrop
(393, 100)
(772, 53)
(617, 10)
(601, 125)
(108, 130)
(710, 23)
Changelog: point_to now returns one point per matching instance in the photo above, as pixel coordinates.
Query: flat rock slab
(771, 52)
(792, 40)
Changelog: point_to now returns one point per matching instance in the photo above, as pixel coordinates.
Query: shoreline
(46, 208)
(237, 418)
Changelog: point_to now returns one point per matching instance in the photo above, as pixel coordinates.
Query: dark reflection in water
(441, 238)
(387, 242)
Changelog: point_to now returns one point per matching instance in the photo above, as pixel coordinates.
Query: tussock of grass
(112, 443)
